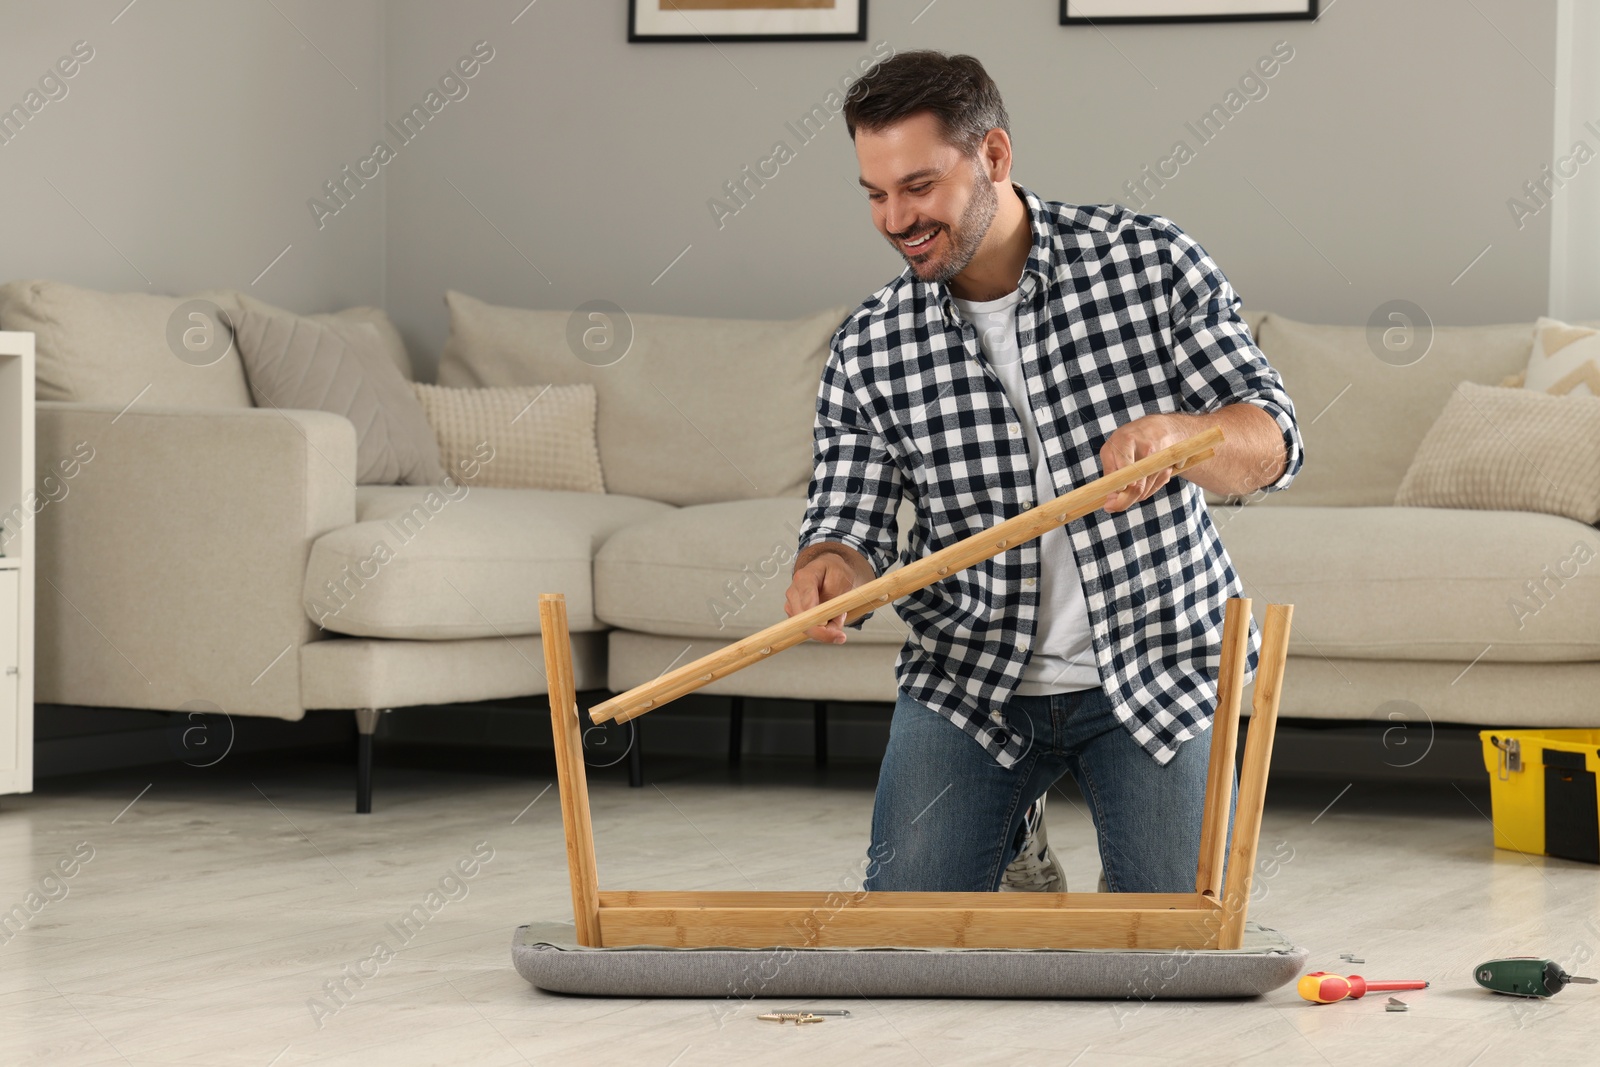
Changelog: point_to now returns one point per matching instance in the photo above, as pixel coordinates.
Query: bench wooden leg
(1253, 774)
(1224, 743)
(570, 775)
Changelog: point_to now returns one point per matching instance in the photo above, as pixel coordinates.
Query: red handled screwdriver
(1320, 987)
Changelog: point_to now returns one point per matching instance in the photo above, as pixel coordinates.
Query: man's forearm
(1250, 456)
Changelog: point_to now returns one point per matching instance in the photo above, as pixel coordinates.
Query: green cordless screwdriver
(1525, 976)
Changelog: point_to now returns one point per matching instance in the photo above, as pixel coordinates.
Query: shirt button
(1022, 647)
(1015, 428)
(1030, 582)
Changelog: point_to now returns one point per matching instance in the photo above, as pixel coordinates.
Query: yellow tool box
(1542, 783)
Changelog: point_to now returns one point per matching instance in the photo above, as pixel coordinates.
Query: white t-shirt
(1063, 648)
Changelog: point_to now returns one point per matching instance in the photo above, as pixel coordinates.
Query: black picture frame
(635, 37)
(1309, 13)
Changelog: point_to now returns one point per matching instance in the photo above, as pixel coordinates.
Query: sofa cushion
(715, 571)
(517, 437)
(339, 366)
(436, 563)
(1565, 359)
(1510, 450)
(394, 345)
(108, 348)
(1362, 418)
(1397, 583)
(691, 411)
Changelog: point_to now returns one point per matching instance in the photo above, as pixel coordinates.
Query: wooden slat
(924, 572)
(1224, 742)
(570, 774)
(1253, 773)
(767, 927)
(645, 898)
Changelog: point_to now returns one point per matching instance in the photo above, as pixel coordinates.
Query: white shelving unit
(18, 518)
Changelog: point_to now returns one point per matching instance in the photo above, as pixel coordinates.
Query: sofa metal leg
(735, 731)
(366, 726)
(819, 725)
(636, 756)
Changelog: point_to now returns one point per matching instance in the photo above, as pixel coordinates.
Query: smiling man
(1029, 347)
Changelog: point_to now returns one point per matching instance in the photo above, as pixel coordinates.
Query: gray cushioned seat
(547, 955)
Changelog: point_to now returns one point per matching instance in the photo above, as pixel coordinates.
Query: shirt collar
(1037, 272)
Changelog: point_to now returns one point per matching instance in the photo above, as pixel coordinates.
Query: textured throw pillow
(1499, 449)
(341, 367)
(517, 437)
(1565, 359)
(393, 346)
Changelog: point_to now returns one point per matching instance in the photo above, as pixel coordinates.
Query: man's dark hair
(956, 90)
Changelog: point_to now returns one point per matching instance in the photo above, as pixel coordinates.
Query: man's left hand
(1134, 441)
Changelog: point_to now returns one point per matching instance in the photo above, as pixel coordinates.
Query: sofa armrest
(172, 548)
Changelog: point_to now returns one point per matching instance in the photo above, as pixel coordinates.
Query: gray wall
(1376, 167)
(184, 151)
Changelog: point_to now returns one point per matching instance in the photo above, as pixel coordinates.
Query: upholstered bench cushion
(711, 571)
(548, 957)
(418, 564)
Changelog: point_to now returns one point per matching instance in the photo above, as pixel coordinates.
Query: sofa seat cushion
(712, 571)
(431, 563)
(1397, 583)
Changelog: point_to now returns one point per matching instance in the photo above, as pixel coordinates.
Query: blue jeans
(947, 817)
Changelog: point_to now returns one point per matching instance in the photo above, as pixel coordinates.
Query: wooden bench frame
(1212, 917)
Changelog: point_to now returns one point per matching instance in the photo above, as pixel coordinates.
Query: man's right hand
(823, 572)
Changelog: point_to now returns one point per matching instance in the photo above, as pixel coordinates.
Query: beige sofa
(1393, 606)
(184, 560)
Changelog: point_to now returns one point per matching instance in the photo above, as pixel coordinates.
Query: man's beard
(965, 237)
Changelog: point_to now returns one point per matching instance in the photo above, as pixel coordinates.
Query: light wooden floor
(220, 903)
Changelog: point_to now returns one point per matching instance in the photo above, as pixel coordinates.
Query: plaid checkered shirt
(1122, 315)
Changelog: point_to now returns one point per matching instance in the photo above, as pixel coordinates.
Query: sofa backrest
(1362, 418)
(697, 411)
(108, 348)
